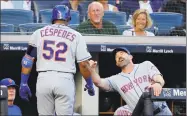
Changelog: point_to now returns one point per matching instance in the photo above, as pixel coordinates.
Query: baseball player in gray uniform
(131, 82)
(56, 48)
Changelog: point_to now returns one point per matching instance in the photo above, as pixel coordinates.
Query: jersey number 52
(54, 50)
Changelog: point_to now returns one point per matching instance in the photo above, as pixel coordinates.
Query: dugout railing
(144, 106)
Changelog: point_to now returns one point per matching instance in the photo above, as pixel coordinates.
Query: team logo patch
(9, 80)
(5, 46)
(103, 48)
(149, 49)
(167, 92)
(59, 15)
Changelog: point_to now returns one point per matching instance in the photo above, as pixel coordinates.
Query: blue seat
(112, 2)
(153, 29)
(7, 27)
(28, 28)
(45, 16)
(73, 26)
(16, 17)
(165, 21)
(85, 4)
(122, 28)
(44, 4)
(117, 18)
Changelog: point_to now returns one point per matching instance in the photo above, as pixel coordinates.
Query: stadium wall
(13, 48)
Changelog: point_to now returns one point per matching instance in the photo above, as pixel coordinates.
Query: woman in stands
(75, 5)
(140, 21)
(108, 7)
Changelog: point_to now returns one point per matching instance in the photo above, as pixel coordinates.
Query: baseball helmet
(120, 49)
(8, 82)
(61, 12)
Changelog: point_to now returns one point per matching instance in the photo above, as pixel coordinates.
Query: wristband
(24, 78)
(89, 81)
(159, 83)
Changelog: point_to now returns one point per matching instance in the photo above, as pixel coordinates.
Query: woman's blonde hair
(148, 18)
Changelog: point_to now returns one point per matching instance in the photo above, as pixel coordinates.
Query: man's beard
(124, 63)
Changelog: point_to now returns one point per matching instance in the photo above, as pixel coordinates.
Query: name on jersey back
(58, 33)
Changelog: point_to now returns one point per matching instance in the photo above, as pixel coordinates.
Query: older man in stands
(95, 24)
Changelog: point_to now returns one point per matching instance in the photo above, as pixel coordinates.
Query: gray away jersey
(131, 86)
(58, 46)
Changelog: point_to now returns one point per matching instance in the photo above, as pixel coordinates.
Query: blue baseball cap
(8, 82)
(120, 49)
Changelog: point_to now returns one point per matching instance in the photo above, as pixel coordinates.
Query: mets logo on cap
(10, 80)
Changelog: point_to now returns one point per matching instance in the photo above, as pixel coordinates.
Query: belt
(159, 109)
(53, 71)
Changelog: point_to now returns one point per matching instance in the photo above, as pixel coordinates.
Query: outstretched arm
(27, 63)
(97, 80)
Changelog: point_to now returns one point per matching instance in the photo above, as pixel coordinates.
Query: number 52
(49, 45)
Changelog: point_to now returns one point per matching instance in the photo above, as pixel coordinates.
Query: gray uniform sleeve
(33, 39)
(152, 69)
(111, 83)
(82, 52)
